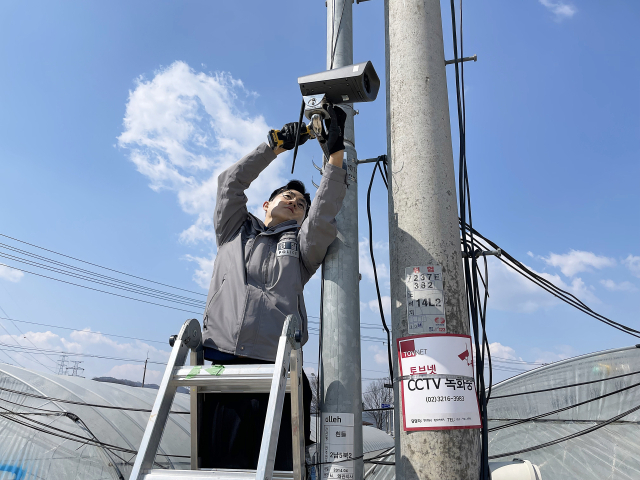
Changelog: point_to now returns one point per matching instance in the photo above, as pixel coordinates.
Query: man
(258, 279)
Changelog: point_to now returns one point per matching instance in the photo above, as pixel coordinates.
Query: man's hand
(288, 135)
(335, 128)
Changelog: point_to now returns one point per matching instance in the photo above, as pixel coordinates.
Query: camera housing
(351, 84)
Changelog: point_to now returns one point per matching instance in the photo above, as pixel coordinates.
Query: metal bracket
(381, 158)
(294, 335)
(460, 60)
(478, 253)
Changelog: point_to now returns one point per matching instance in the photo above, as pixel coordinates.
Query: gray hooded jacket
(259, 272)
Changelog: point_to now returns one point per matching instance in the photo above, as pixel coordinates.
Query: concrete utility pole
(423, 221)
(341, 385)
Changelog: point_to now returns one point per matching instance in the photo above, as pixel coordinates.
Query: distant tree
(314, 381)
(374, 396)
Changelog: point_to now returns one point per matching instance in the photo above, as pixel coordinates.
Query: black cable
(560, 387)
(295, 147)
(100, 266)
(191, 303)
(56, 352)
(375, 272)
(20, 346)
(84, 331)
(569, 407)
(545, 284)
(27, 338)
(84, 404)
(72, 436)
(89, 272)
(475, 309)
(568, 437)
(101, 291)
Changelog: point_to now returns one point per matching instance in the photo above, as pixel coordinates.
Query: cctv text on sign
(438, 390)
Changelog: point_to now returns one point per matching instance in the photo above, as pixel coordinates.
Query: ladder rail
(188, 337)
(271, 430)
(297, 415)
(235, 378)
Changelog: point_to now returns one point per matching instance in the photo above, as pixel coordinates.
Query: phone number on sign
(448, 398)
(440, 420)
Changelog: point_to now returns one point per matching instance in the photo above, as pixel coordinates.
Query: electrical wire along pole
(423, 223)
(341, 388)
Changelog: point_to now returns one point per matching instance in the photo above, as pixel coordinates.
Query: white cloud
(560, 10)
(502, 351)
(366, 268)
(7, 273)
(562, 352)
(633, 264)
(510, 291)
(386, 308)
(578, 261)
(38, 353)
(622, 286)
(380, 355)
(183, 128)
(202, 275)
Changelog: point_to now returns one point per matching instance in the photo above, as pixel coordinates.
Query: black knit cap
(299, 187)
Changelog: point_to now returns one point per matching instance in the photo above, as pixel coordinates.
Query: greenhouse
(62, 427)
(594, 434)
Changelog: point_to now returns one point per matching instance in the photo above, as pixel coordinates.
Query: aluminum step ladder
(273, 379)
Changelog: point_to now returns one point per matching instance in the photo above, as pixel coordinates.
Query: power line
(86, 331)
(564, 386)
(568, 437)
(545, 284)
(375, 270)
(33, 351)
(100, 266)
(531, 419)
(84, 404)
(21, 332)
(113, 283)
(32, 357)
(101, 291)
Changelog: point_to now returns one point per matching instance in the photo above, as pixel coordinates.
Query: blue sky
(117, 117)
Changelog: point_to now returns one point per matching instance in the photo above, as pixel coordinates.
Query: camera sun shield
(350, 84)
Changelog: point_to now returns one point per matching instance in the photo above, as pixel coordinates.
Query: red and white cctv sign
(438, 388)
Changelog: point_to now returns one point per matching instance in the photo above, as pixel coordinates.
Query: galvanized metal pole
(341, 376)
(423, 220)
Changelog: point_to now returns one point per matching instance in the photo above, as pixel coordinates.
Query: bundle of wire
(476, 305)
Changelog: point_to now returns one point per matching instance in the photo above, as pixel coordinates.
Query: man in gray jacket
(258, 279)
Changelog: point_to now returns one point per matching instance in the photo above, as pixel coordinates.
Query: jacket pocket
(215, 295)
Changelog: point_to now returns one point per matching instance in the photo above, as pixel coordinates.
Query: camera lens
(367, 84)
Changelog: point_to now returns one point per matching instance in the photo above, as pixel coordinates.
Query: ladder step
(233, 378)
(214, 474)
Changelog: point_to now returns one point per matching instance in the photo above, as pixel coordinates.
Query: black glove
(288, 135)
(335, 128)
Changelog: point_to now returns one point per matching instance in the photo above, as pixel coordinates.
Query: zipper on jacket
(216, 294)
(265, 268)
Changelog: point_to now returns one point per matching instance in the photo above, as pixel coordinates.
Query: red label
(407, 348)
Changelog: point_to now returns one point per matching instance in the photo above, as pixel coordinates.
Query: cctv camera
(350, 84)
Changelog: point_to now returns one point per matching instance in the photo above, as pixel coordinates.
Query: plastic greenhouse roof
(26, 453)
(609, 452)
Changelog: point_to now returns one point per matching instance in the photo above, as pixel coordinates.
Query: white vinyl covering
(27, 453)
(608, 453)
